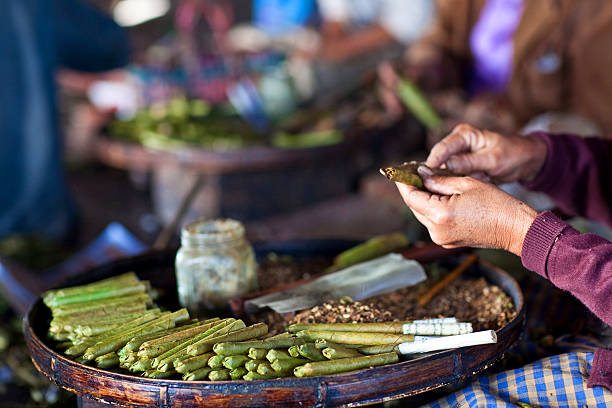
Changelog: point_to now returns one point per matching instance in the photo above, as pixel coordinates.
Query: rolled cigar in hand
(406, 173)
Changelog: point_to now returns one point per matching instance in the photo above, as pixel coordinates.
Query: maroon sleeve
(601, 370)
(578, 263)
(577, 174)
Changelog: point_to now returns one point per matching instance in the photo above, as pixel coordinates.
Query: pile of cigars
(114, 325)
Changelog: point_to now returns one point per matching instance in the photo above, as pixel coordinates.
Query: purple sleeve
(601, 371)
(578, 263)
(577, 174)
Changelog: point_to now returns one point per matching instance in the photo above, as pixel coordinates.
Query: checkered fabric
(557, 381)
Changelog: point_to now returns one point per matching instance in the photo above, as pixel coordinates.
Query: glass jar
(214, 264)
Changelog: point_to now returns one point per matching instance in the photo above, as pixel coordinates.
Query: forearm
(578, 263)
(577, 174)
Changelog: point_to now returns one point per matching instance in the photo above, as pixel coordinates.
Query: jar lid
(211, 232)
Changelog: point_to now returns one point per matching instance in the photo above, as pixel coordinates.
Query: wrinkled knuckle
(463, 127)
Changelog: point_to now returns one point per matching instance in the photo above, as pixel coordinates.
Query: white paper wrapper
(375, 277)
(448, 342)
(437, 329)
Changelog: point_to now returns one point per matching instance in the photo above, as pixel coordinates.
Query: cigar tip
(387, 172)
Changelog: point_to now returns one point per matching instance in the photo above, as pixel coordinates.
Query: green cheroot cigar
(252, 365)
(183, 332)
(276, 354)
(322, 344)
(366, 339)
(125, 366)
(216, 361)
(223, 326)
(220, 374)
(155, 347)
(371, 350)
(405, 173)
(106, 342)
(158, 374)
(118, 341)
(134, 344)
(77, 326)
(237, 373)
(202, 346)
(293, 351)
(109, 328)
(284, 335)
(232, 362)
(286, 366)
(199, 374)
(334, 353)
(105, 293)
(257, 353)
(100, 307)
(143, 364)
(418, 105)
(124, 279)
(130, 357)
(79, 348)
(107, 360)
(389, 327)
(372, 248)
(98, 316)
(242, 347)
(253, 376)
(265, 369)
(192, 363)
(180, 352)
(63, 336)
(343, 365)
(310, 351)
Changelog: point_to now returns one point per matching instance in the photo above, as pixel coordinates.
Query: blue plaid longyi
(556, 381)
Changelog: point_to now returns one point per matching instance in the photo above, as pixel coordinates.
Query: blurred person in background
(499, 63)
(351, 28)
(356, 35)
(37, 38)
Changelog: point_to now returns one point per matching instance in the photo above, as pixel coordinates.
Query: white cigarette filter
(449, 342)
(439, 320)
(437, 329)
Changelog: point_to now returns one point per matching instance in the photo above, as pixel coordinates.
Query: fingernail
(450, 164)
(424, 171)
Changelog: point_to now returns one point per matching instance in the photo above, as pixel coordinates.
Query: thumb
(442, 185)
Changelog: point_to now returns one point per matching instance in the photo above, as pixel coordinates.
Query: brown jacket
(562, 54)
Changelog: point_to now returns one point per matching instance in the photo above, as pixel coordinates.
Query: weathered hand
(505, 159)
(463, 211)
